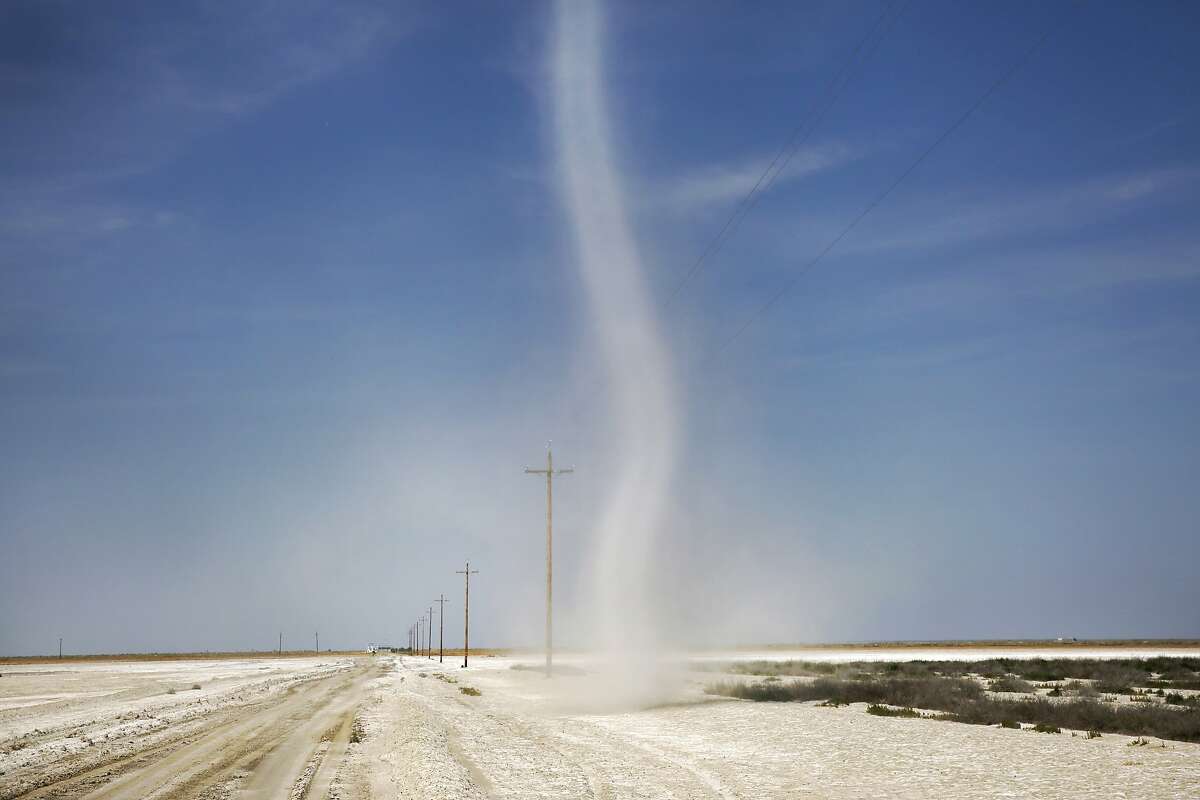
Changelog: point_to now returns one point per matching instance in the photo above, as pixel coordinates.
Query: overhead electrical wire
(946, 134)
(878, 32)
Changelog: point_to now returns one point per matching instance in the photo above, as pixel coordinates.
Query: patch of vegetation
(441, 676)
(357, 734)
(559, 669)
(964, 700)
(1043, 727)
(1082, 689)
(171, 690)
(470, 690)
(1110, 675)
(928, 692)
(1010, 683)
(1177, 699)
(1010, 723)
(195, 687)
(1093, 735)
(890, 711)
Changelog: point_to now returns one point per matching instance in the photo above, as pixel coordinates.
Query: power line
(781, 160)
(983, 98)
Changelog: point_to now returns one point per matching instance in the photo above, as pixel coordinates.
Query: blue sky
(286, 302)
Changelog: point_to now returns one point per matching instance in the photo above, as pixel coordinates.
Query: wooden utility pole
(317, 637)
(467, 573)
(60, 648)
(429, 638)
(549, 472)
(441, 601)
(281, 643)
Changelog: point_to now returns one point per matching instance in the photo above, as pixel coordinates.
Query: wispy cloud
(146, 86)
(1036, 210)
(714, 185)
(265, 50)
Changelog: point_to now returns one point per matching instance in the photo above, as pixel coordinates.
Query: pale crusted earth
(400, 727)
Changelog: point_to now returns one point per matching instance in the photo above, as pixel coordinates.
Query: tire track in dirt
(212, 763)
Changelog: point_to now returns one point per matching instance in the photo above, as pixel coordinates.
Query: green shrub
(470, 690)
(1043, 727)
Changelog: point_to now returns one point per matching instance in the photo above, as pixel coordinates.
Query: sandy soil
(400, 727)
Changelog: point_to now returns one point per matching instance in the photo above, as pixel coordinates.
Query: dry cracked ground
(403, 727)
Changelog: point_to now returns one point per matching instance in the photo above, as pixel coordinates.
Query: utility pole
(60, 648)
(549, 472)
(281, 643)
(441, 601)
(429, 638)
(317, 636)
(467, 573)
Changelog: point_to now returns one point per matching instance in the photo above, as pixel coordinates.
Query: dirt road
(278, 744)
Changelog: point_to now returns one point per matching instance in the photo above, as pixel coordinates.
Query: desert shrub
(1055, 692)
(195, 686)
(930, 692)
(171, 690)
(1010, 723)
(1093, 735)
(1008, 683)
(1043, 727)
(889, 711)
(1082, 689)
(1177, 699)
(1118, 673)
(965, 701)
(470, 690)
(559, 669)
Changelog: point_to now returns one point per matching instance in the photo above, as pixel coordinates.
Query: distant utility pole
(60, 647)
(549, 472)
(441, 601)
(429, 638)
(281, 643)
(467, 573)
(317, 636)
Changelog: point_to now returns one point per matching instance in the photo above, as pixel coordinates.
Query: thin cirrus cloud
(218, 64)
(1038, 210)
(722, 184)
